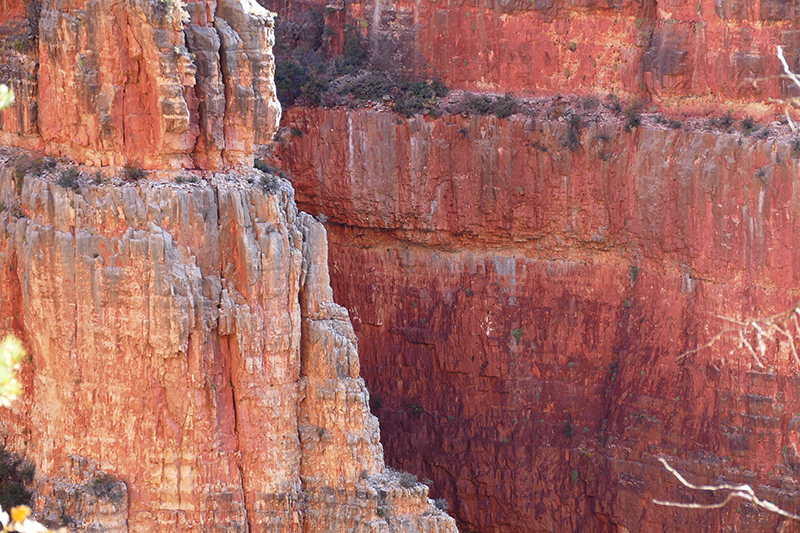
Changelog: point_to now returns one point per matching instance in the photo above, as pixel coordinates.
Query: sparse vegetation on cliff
(305, 74)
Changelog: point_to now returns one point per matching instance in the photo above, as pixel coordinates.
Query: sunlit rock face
(188, 366)
(157, 84)
(521, 303)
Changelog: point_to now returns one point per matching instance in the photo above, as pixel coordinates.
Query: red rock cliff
(520, 307)
(158, 84)
(189, 368)
(692, 54)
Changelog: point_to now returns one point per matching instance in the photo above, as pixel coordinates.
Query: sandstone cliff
(189, 368)
(520, 303)
(699, 54)
(159, 84)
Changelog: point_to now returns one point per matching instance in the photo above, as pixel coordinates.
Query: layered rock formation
(189, 369)
(694, 54)
(158, 84)
(520, 306)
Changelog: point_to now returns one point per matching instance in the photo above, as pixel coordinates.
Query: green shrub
(568, 430)
(633, 116)
(748, 125)
(502, 107)
(270, 183)
(69, 179)
(407, 480)
(442, 504)
(15, 475)
(133, 172)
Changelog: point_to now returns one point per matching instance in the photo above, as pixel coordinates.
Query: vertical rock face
(153, 83)
(189, 368)
(520, 307)
(714, 51)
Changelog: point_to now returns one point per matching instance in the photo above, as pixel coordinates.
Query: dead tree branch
(744, 492)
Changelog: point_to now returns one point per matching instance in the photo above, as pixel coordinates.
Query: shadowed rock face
(520, 306)
(158, 84)
(189, 368)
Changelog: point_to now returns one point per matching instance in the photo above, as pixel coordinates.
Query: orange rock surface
(704, 54)
(521, 305)
(151, 84)
(189, 368)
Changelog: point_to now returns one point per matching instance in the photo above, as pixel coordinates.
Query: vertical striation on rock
(189, 368)
(520, 306)
(158, 84)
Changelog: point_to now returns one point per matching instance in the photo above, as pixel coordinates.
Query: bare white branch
(786, 68)
(745, 492)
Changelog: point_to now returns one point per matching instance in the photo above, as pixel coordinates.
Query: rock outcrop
(189, 368)
(521, 301)
(699, 54)
(157, 84)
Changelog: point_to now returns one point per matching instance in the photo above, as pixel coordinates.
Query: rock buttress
(186, 352)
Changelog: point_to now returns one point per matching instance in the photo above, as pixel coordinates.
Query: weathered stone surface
(184, 341)
(676, 52)
(520, 307)
(141, 82)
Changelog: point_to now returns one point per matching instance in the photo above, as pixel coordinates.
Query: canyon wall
(696, 55)
(188, 367)
(157, 84)
(521, 305)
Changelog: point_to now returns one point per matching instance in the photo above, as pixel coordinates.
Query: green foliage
(407, 480)
(15, 475)
(69, 179)
(501, 107)
(568, 430)
(517, 334)
(633, 117)
(270, 183)
(442, 504)
(11, 354)
(574, 476)
(634, 273)
(408, 97)
(106, 487)
(748, 125)
(669, 122)
(381, 512)
(26, 165)
(133, 172)
(263, 166)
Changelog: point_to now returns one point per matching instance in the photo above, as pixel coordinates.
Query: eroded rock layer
(692, 54)
(188, 366)
(158, 84)
(521, 301)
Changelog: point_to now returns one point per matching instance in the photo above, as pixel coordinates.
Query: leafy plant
(407, 480)
(133, 172)
(633, 116)
(442, 504)
(69, 179)
(748, 125)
